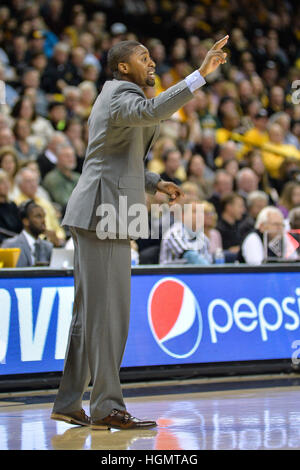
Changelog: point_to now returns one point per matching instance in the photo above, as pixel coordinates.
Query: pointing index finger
(221, 43)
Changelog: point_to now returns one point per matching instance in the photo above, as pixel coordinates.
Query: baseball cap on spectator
(37, 34)
(258, 33)
(262, 113)
(118, 28)
(270, 64)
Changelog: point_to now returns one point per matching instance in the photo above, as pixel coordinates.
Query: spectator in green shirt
(61, 181)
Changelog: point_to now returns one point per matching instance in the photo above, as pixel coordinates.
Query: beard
(150, 81)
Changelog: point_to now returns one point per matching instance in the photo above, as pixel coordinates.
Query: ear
(123, 68)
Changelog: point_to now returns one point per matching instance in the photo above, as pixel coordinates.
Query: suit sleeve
(151, 180)
(130, 107)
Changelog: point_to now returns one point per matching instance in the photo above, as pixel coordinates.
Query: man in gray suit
(34, 250)
(122, 127)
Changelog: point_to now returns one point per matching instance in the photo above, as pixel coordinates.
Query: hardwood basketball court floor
(242, 413)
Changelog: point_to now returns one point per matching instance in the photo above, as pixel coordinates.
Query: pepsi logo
(174, 317)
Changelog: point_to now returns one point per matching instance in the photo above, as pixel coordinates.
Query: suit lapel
(153, 138)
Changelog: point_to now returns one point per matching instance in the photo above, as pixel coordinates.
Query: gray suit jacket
(25, 259)
(122, 127)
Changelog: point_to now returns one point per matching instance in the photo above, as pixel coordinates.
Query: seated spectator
(88, 94)
(61, 181)
(9, 162)
(10, 222)
(28, 183)
(227, 151)
(207, 120)
(32, 165)
(155, 162)
(255, 162)
(59, 71)
(36, 42)
(184, 240)
(191, 192)
(289, 198)
(90, 73)
(76, 28)
(41, 128)
(39, 62)
(74, 132)
(255, 202)
(77, 59)
(294, 219)
(210, 223)
(269, 224)
(257, 135)
(196, 173)
(172, 161)
(18, 52)
(208, 148)
(223, 185)
(284, 120)
(48, 159)
(232, 211)
(289, 171)
(231, 122)
(276, 151)
(57, 114)
(276, 100)
(87, 41)
(31, 80)
(34, 250)
(71, 102)
(232, 167)
(6, 137)
(246, 182)
(22, 132)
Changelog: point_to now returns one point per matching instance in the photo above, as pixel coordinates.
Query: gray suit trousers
(99, 327)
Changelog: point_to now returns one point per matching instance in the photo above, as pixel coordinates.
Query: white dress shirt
(31, 242)
(194, 81)
(253, 249)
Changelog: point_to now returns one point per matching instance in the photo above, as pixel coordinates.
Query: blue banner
(175, 319)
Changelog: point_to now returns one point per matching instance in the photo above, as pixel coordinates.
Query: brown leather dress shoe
(122, 420)
(77, 417)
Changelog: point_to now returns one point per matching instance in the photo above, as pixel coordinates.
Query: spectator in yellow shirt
(276, 151)
(231, 121)
(27, 181)
(257, 135)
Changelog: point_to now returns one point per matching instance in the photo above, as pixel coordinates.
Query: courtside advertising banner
(182, 318)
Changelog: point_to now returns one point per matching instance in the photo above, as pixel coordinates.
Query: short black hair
(229, 199)
(26, 207)
(120, 52)
(170, 150)
(53, 104)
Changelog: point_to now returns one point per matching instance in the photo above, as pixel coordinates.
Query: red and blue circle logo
(175, 318)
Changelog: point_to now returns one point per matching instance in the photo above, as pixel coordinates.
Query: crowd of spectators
(235, 147)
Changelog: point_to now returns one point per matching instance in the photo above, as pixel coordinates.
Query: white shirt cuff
(194, 81)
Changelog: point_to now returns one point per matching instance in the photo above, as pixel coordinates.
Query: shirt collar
(30, 239)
